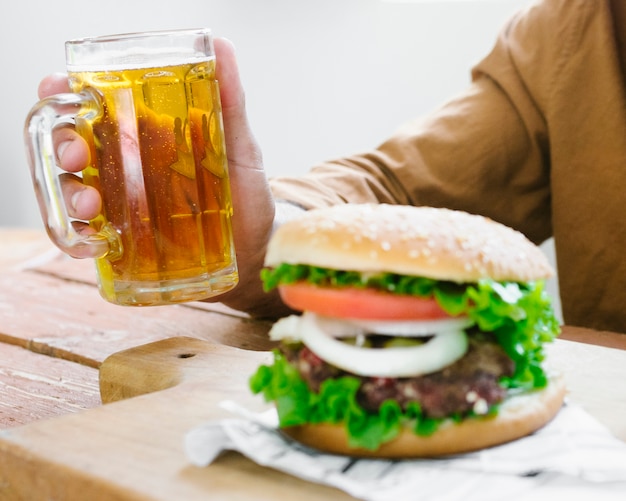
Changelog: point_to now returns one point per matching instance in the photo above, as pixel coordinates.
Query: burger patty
(470, 384)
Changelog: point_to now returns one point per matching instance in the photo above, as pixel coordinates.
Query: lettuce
(520, 315)
(336, 402)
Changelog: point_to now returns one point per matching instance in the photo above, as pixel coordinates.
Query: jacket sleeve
(485, 151)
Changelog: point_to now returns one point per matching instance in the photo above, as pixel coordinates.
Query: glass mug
(148, 106)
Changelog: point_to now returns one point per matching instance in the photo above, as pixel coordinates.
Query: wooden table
(57, 440)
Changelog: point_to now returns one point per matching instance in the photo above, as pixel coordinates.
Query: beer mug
(148, 106)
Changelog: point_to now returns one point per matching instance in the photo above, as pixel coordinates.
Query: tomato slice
(349, 302)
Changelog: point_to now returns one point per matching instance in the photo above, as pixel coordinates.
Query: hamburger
(418, 332)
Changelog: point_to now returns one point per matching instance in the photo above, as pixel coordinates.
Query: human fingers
(55, 83)
(82, 202)
(252, 201)
(72, 151)
(241, 145)
(72, 154)
(253, 204)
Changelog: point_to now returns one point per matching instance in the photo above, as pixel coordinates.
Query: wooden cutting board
(131, 448)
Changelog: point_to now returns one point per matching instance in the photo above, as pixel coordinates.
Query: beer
(158, 159)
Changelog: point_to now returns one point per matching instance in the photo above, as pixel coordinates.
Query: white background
(323, 78)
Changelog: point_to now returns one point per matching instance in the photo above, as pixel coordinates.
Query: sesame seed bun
(419, 241)
(518, 417)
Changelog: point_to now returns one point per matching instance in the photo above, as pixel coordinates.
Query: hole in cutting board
(186, 355)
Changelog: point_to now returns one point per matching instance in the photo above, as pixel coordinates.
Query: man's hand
(253, 203)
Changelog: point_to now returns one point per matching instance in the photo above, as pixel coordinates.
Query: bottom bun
(518, 416)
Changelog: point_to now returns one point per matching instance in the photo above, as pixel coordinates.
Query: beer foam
(138, 58)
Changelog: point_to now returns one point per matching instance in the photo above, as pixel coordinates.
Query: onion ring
(435, 354)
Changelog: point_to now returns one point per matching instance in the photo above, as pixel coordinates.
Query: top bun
(435, 243)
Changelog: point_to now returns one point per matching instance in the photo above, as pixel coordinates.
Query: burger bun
(518, 416)
(436, 243)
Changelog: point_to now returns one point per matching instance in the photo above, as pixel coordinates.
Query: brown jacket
(538, 142)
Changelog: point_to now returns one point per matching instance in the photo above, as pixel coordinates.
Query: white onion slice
(432, 356)
(286, 328)
(289, 327)
(411, 328)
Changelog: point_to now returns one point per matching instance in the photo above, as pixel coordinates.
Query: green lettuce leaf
(520, 315)
(335, 403)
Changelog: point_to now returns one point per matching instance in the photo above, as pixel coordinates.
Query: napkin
(572, 456)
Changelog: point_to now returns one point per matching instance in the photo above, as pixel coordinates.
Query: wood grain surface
(55, 329)
(133, 449)
(162, 371)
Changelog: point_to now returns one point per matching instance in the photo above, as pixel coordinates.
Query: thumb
(253, 204)
(241, 145)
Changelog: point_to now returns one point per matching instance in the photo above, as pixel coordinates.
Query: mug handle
(51, 112)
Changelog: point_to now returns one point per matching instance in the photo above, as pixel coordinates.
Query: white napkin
(572, 456)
